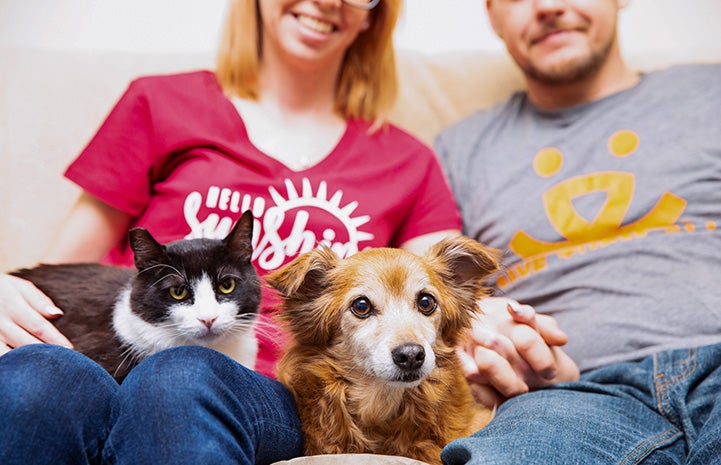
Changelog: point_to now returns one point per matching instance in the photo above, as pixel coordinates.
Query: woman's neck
(297, 90)
(294, 119)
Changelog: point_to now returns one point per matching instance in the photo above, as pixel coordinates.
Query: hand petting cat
(87, 233)
(24, 316)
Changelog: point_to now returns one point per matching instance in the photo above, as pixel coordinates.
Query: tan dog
(372, 364)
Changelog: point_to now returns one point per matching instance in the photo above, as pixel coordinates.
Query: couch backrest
(51, 102)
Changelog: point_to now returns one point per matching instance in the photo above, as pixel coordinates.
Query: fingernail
(513, 308)
(52, 310)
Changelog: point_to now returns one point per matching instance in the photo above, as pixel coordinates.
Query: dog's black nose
(409, 357)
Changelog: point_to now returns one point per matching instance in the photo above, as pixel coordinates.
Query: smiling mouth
(315, 24)
(551, 33)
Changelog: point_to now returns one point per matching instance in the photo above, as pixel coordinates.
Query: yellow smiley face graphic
(607, 224)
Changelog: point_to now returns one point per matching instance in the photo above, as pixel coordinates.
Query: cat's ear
(240, 239)
(147, 250)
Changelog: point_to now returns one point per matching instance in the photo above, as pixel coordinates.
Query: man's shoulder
(690, 72)
(475, 125)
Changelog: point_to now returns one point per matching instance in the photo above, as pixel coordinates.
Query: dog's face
(387, 313)
(394, 307)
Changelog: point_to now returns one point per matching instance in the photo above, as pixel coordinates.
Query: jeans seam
(662, 386)
(642, 450)
(691, 366)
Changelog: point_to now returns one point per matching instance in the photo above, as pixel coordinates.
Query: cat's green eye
(179, 292)
(226, 286)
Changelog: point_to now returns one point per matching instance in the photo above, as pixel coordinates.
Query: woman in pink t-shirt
(289, 125)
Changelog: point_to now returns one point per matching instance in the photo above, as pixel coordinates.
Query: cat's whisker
(162, 265)
(233, 275)
(131, 355)
(239, 329)
(249, 317)
(177, 273)
(165, 277)
(266, 329)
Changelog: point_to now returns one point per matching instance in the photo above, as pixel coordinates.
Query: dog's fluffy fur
(371, 363)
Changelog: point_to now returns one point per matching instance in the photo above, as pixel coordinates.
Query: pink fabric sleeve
(115, 166)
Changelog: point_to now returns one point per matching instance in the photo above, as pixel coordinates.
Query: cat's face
(200, 289)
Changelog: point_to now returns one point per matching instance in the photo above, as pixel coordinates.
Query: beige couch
(52, 102)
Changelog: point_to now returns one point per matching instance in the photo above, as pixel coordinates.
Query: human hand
(24, 315)
(511, 350)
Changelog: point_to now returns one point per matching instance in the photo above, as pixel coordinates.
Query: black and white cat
(190, 292)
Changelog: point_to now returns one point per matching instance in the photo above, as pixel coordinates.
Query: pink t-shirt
(175, 155)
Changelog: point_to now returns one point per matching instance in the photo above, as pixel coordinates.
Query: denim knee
(34, 376)
(180, 372)
(186, 374)
(56, 406)
(191, 404)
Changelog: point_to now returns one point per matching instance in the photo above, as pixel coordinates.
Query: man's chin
(565, 66)
(563, 72)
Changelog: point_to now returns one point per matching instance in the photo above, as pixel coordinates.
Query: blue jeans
(187, 405)
(665, 409)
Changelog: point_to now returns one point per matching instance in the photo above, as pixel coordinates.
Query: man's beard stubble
(570, 71)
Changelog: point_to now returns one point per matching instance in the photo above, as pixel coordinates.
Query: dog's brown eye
(361, 307)
(427, 303)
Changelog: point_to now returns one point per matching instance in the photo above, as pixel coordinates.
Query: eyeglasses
(362, 4)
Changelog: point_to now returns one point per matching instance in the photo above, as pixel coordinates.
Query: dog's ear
(466, 265)
(468, 261)
(302, 283)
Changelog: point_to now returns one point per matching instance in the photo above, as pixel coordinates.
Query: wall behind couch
(663, 26)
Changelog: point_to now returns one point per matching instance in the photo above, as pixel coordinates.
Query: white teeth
(315, 24)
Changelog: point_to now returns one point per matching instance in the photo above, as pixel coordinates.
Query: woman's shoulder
(187, 94)
(183, 84)
(175, 79)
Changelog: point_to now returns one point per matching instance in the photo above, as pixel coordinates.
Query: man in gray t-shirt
(602, 187)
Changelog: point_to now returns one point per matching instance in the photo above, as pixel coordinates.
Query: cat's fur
(118, 316)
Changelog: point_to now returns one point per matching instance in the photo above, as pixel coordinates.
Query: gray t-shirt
(609, 213)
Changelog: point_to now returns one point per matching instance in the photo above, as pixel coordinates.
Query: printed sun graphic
(286, 224)
(287, 221)
(320, 200)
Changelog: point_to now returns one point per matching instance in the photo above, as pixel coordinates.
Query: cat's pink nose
(207, 322)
